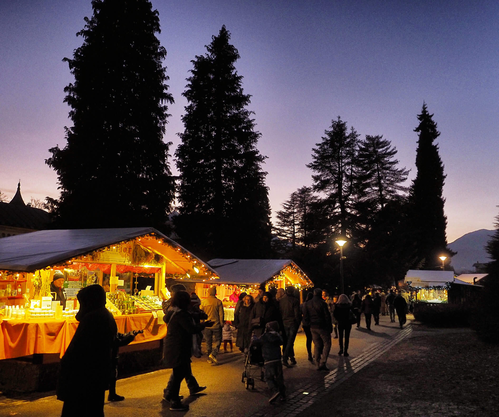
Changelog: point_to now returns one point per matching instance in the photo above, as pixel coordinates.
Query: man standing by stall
(214, 309)
(56, 288)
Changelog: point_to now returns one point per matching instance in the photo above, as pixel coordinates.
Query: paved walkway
(226, 394)
(312, 391)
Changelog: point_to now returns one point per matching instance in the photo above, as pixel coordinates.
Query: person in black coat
(367, 309)
(316, 312)
(242, 322)
(85, 368)
(342, 314)
(357, 307)
(376, 307)
(306, 328)
(266, 310)
(122, 339)
(400, 306)
(178, 348)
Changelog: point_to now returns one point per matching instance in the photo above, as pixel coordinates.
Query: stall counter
(47, 335)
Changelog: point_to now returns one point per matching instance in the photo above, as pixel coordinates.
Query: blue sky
(372, 63)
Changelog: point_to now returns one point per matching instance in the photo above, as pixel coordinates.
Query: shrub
(485, 317)
(443, 315)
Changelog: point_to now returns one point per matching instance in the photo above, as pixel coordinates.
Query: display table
(37, 336)
(229, 314)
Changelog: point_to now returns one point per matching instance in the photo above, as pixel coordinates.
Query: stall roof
(423, 278)
(256, 271)
(471, 278)
(31, 251)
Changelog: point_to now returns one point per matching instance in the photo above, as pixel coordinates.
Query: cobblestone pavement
(226, 395)
(313, 391)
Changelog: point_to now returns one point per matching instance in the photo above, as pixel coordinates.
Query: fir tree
(334, 167)
(224, 207)
(378, 181)
(114, 172)
(428, 219)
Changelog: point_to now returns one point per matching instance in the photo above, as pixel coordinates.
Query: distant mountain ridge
(470, 249)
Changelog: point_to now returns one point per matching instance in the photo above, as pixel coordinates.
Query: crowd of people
(270, 321)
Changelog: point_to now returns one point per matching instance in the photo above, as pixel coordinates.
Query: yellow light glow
(341, 242)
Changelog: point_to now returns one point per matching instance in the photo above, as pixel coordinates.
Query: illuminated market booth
(439, 286)
(247, 275)
(132, 264)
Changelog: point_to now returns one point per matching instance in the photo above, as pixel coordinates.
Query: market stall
(132, 264)
(438, 286)
(247, 275)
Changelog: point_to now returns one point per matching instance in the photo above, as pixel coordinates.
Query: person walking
(86, 366)
(400, 306)
(317, 314)
(122, 339)
(384, 308)
(197, 315)
(357, 307)
(367, 309)
(214, 309)
(330, 305)
(242, 319)
(265, 311)
(289, 307)
(178, 348)
(376, 308)
(391, 309)
(342, 314)
(227, 335)
(306, 329)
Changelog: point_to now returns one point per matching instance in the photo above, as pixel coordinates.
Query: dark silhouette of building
(17, 218)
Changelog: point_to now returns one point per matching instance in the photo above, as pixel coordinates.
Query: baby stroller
(253, 366)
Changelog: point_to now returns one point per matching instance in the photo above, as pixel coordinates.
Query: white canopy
(31, 251)
(258, 271)
(422, 278)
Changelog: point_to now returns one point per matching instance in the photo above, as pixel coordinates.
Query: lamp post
(340, 243)
(443, 258)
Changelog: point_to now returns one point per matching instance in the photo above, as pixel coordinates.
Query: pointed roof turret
(18, 200)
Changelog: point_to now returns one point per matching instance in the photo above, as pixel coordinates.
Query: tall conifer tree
(224, 207)
(427, 204)
(114, 171)
(334, 167)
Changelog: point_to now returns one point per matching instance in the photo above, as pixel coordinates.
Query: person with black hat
(56, 288)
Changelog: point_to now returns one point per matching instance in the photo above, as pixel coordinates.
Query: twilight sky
(372, 63)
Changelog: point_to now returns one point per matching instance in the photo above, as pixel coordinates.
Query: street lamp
(443, 258)
(340, 243)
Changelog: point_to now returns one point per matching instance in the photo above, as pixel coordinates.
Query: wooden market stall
(440, 286)
(132, 264)
(247, 275)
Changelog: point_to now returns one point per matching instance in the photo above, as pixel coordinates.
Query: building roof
(18, 214)
(31, 251)
(258, 271)
(471, 278)
(423, 278)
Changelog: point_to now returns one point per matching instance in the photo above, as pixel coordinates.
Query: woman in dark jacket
(367, 308)
(306, 328)
(342, 314)
(178, 346)
(86, 368)
(357, 307)
(266, 310)
(242, 322)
